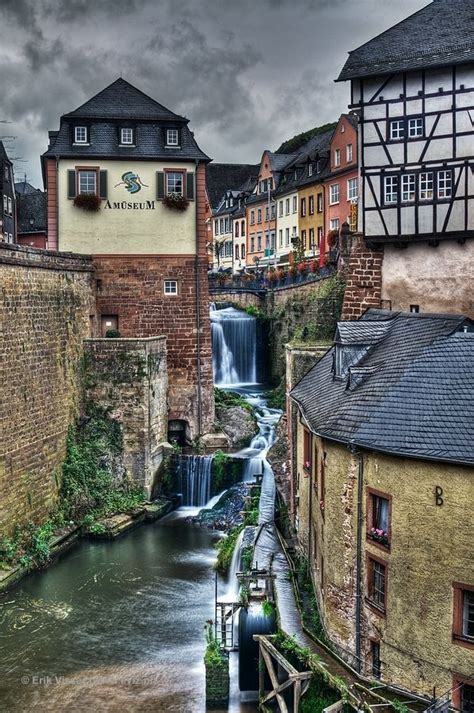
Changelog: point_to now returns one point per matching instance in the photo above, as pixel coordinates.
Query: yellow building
(384, 486)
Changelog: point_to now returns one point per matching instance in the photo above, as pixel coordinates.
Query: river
(119, 626)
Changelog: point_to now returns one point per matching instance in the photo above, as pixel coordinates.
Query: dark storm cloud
(248, 73)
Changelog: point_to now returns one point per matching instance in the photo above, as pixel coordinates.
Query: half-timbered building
(413, 88)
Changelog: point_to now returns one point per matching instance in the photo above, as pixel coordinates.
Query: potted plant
(313, 266)
(378, 535)
(87, 201)
(302, 268)
(292, 271)
(175, 201)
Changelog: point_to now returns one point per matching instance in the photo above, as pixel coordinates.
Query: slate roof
(24, 187)
(121, 100)
(440, 34)
(317, 146)
(3, 153)
(411, 394)
(31, 212)
(221, 177)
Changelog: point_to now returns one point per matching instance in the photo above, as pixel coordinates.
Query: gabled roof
(3, 153)
(221, 177)
(31, 212)
(411, 392)
(440, 34)
(121, 100)
(23, 187)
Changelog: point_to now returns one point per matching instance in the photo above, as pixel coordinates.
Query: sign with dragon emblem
(132, 182)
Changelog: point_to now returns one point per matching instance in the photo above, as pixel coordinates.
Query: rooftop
(221, 177)
(440, 34)
(408, 388)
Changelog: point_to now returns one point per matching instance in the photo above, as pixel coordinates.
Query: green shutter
(103, 184)
(71, 184)
(190, 186)
(160, 185)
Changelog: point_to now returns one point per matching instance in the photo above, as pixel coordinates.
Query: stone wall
(363, 279)
(132, 287)
(240, 300)
(46, 310)
(128, 378)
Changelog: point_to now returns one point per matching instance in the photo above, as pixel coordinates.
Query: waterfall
(194, 473)
(233, 586)
(234, 347)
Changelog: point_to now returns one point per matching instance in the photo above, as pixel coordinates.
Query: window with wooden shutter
(103, 184)
(71, 184)
(190, 186)
(160, 185)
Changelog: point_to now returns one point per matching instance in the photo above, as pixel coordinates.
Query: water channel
(119, 626)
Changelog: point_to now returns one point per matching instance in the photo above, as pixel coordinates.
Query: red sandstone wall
(131, 286)
(52, 203)
(363, 280)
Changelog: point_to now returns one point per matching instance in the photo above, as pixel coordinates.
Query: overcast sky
(247, 73)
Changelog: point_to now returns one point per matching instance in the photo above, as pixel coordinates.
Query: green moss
(292, 145)
(230, 398)
(276, 398)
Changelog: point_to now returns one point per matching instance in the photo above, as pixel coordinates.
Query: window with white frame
(226, 225)
(174, 183)
(80, 135)
(334, 194)
(259, 241)
(390, 189)
(87, 182)
(267, 213)
(10, 206)
(228, 248)
(280, 237)
(236, 229)
(337, 157)
(259, 215)
(252, 243)
(319, 203)
(287, 236)
(397, 129)
(5, 237)
(352, 189)
(445, 184)
(5, 204)
(311, 205)
(320, 234)
(280, 209)
(287, 206)
(349, 153)
(237, 252)
(170, 287)
(415, 128)
(408, 187)
(295, 204)
(10, 238)
(242, 231)
(426, 185)
(221, 222)
(172, 137)
(334, 224)
(310, 169)
(242, 251)
(216, 227)
(252, 217)
(126, 137)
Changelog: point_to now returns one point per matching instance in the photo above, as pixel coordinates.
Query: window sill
(127, 146)
(80, 143)
(463, 641)
(172, 146)
(379, 545)
(336, 203)
(375, 607)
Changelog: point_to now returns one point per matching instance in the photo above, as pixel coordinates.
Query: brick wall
(132, 287)
(363, 279)
(128, 377)
(45, 307)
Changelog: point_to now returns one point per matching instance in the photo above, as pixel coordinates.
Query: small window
(126, 137)
(391, 189)
(267, 239)
(172, 137)
(320, 234)
(259, 215)
(378, 518)
(445, 184)
(267, 214)
(170, 287)
(287, 206)
(109, 324)
(311, 239)
(259, 242)
(337, 157)
(80, 135)
(467, 698)
(334, 194)
(320, 203)
(5, 237)
(415, 128)
(415, 308)
(397, 129)
(352, 189)
(252, 217)
(463, 613)
(334, 224)
(376, 583)
(307, 450)
(303, 207)
(349, 153)
(287, 236)
(10, 238)
(252, 243)
(242, 251)
(426, 186)
(175, 183)
(295, 204)
(242, 232)
(311, 205)
(408, 187)
(7, 173)
(237, 252)
(280, 209)
(303, 237)
(216, 227)
(375, 656)
(280, 238)
(87, 182)
(310, 169)
(236, 231)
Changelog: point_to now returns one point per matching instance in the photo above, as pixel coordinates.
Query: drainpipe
(360, 522)
(198, 315)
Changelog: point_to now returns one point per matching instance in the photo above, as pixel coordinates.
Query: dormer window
(126, 137)
(310, 169)
(80, 135)
(172, 137)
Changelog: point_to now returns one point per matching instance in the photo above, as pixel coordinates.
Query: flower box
(175, 201)
(87, 201)
(378, 535)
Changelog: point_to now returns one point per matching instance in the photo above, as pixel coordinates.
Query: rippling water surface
(113, 626)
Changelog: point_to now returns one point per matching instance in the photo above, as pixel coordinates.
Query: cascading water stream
(234, 347)
(194, 477)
